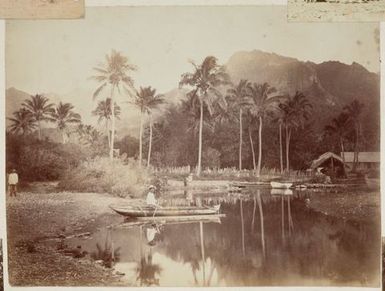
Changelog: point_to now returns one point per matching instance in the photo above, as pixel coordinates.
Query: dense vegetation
(218, 124)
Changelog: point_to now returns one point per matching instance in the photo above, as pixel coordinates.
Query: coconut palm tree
(23, 122)
(261, 101)
(204, 82)
(339, 128)
(279, 117)
(88, 135)
(354, 111)
(296, 111)
(146, 100)
(63, 115)
(40, 109)
(237, 95)
(114, 74)
(103, 111)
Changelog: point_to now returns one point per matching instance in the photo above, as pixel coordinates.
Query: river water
(264, 239)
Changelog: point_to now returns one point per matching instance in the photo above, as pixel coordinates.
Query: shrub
(120, 177)
(42, 160)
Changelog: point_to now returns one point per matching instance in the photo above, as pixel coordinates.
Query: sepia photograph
(41, 9)
(191, 146)
(336, 10)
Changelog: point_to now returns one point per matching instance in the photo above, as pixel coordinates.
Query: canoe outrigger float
(152, 211)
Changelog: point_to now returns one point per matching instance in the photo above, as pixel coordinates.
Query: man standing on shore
(13, 180)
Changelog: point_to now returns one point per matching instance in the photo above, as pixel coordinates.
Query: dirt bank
(34, 218)
(351, 204)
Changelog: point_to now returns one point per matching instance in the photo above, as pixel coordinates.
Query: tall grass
(119, 177)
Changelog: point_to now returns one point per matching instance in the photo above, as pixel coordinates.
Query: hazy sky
(57, 56)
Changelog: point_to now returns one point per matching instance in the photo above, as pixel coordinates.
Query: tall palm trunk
(63, 136)
(140, 140)
(342, 150)
(259, 147)
(252, 149)
(108, 134)
(199, 167)
(39, 129)
(355, 158)
(280, 147)
(288, 136)
(240, 139)
(112, 123)
(150, 143)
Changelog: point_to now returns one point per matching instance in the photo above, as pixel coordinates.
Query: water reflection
(264, 239)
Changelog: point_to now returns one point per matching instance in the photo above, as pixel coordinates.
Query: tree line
(214, 106)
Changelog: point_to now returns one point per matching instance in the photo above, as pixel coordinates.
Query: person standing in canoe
(150, 199)
(13, 180)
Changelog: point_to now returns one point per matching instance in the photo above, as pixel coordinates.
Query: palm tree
(338, 128)
(63, 115)
(103, 111)
(114, 74)
(296, 110)
(260, 102)
(280, 116)
(146, 100)
(204, 83)
(237, 95)
(23, 122)
(40, 109)
(251, 120)
(88, 135)
(354, 111)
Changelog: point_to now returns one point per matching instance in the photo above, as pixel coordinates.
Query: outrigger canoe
(143, 211)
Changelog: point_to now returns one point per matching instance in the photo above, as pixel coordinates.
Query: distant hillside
(329, 85)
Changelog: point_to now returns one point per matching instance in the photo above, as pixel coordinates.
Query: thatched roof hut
(330, 161)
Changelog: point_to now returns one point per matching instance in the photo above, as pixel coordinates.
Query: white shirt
(13, 179)
(150, 200)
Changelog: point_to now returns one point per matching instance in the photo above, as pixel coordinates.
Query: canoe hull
(281, 185)
(137, 211)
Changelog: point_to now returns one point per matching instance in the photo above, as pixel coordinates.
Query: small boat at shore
(281, 185)
(150, 211)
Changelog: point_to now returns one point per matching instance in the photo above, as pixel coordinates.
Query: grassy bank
(120, 177)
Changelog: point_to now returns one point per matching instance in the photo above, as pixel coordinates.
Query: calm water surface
(263, 240)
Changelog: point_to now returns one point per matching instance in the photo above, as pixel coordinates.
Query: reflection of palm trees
(283, 217)
(254, 208)
(147, 271)
(259, 201)
(289, 218)
(243, 227)
(202, 251)
(109, 255)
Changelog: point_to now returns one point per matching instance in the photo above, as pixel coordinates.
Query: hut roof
(324, 157)
(363, 157)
